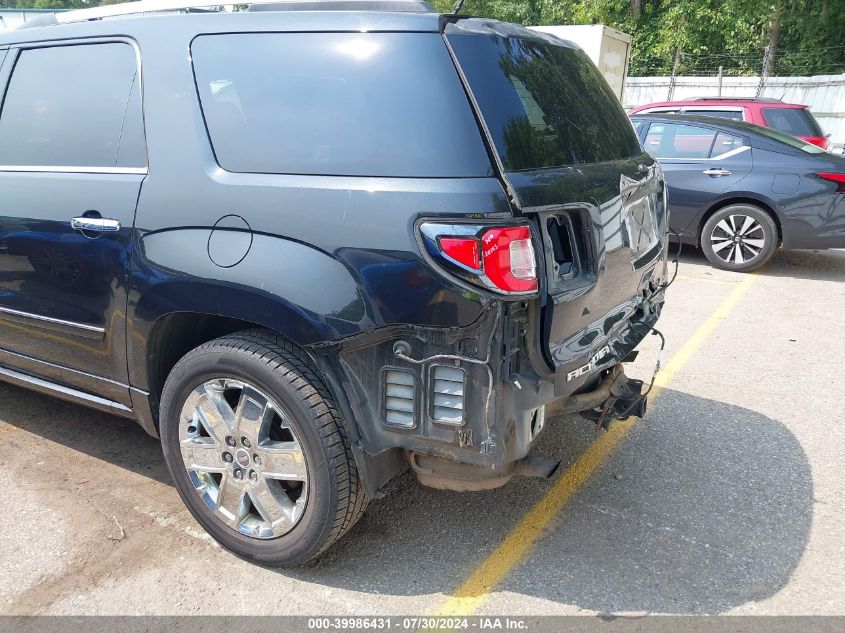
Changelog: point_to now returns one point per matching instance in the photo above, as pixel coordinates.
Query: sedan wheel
(739, 237)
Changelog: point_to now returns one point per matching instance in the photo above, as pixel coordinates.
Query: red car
(791, 118)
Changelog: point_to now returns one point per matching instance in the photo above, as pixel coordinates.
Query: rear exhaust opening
(536, 466)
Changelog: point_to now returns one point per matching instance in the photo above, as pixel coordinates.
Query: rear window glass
(794, 121)
(788, 139)
(545, 105)
(353, 104)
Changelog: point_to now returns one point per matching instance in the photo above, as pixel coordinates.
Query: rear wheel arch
(272, 368)
(181, 332)
(178, 314)
(175, 334)
(171, 337)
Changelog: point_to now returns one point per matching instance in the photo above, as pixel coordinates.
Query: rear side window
(73, 106)
(794, 121)
(545, 105)
(353, 104)
(725, 143)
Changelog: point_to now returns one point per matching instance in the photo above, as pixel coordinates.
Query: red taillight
(498, 258)
(509, 260)
(839, 179)
(463, 250)
(820, 141)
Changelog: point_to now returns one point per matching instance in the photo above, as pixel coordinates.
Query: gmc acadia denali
(311, 244)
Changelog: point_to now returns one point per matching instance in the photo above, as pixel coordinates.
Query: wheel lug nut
(227, 457)
(253, 476)
(245, 442)
(257, 459)
(230, 441)
(239, 474)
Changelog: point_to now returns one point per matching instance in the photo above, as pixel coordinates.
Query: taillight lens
(463, 250)
(508, 257)
(839, 179)
(497, 258)
(821, 141)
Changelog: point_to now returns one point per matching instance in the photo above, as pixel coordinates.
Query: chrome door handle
(716, 171)
(97, 225)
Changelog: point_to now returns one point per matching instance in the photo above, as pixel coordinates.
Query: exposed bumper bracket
(615, 397)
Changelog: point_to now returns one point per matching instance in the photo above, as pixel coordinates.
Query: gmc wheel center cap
(242, 457)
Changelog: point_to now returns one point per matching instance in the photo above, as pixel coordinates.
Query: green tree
(805, 36)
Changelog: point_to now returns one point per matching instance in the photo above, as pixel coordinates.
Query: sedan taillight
(839, 179)
(498, 258)
(820, 141)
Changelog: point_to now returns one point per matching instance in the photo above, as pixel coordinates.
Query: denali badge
(594, 361)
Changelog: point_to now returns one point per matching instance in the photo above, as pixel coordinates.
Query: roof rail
(760, 99)
(156, 6)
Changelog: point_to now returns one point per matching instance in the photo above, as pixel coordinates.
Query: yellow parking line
(682, 357)
(473, 592)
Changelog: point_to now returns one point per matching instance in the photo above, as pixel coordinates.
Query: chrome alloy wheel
(243, 458)
(737, 239)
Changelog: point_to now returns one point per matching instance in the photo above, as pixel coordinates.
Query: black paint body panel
(331, 262)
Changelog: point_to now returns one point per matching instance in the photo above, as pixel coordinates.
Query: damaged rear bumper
(615, 396)
(465, 405)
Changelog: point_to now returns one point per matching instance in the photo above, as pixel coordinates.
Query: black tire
(727, 248)
(335, 496)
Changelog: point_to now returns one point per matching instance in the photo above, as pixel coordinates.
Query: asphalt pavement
(727, 498)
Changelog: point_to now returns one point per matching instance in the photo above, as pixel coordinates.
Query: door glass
(653, 137)
(670, 140)
(71, 106)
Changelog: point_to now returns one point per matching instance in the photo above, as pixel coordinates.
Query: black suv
(308, 248)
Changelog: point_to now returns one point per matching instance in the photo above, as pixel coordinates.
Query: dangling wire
(675, 260)
(490, 442)
(643, 396)
(656, 332)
